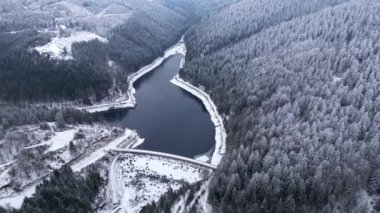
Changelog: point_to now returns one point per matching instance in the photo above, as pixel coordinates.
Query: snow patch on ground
(56, 48)
(336, 79)
(220, 132)
(111, 63)
(141, 179)
(61, 139)
(16, 201)
(58, 141)
(128, 100)
(13, 32)
(205, 157)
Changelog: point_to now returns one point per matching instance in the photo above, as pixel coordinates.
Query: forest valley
(298, 83)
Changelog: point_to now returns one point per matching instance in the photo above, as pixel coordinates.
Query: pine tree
(60, 121)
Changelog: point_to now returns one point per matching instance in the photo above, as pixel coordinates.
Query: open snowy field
(140, 179)
(60, 47)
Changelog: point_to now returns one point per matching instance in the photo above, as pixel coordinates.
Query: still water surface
(170, 119)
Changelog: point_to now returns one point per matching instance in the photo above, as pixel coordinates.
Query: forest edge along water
(172, 115)
(167, 117)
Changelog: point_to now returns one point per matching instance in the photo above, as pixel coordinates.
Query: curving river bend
(170, 119)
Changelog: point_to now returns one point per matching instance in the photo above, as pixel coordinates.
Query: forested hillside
(145, 36)
(145, 30)
(63, 192)
(299, 82)
(247, 17)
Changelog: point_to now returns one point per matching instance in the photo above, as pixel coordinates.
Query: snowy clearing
(61, 139)
(58, 141)
(141, 179)
(220, 132)
(128, 100)
(16, 201)
(60, 47)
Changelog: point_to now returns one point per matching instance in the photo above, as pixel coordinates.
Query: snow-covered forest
(132, 34)
(299, 82)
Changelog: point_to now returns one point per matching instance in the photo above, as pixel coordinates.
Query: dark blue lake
(170, 119)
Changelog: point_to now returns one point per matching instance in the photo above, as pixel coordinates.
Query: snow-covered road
(112, 193)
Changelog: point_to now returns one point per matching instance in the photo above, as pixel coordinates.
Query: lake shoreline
(216, 118)
(128, 100)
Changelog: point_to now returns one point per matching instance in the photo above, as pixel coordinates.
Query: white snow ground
(58, 141)
(205, 157)
(56, 47)
(16, 201)
(141, 179)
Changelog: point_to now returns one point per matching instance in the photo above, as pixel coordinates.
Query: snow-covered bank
(141, 179)
(220, 132)
(129, 100)
(205, 157)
